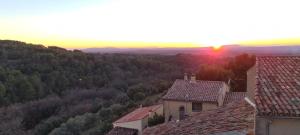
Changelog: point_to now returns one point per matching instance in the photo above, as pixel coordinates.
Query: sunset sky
(150, 23)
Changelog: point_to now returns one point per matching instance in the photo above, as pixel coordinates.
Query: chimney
(193, 78)
(185, 77)
(150, 113)
(229, 81)
(229, 84)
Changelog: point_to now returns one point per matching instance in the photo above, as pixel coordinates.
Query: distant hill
(225, 50)
(267, 50)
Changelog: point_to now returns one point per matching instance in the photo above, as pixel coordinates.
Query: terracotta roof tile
(234, 96)
(197, 91)
(138, 114)
(122, 131)
(235, 117)
(278, 86)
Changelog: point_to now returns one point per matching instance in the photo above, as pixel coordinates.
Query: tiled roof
(234, 96)
(235, 118)
(194, 91)
(138, 114)
(278, 86)
(122, 131)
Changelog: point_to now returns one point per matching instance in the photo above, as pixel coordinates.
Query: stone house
(186, 97)
(273, 88)
(136, 120)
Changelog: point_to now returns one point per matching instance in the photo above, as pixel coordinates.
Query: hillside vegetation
(51, 90)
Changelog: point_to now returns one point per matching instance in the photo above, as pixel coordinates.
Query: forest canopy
(51, 90)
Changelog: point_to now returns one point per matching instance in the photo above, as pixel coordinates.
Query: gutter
(195, 101)
(278, 117)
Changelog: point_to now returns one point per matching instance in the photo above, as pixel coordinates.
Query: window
(196, 107)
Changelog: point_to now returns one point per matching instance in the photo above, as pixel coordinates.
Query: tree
(117, 109)
(35, 112)
(48, 125)
(2, 94)
(37, 85)
(136, 92)
(239, 66)
(213, 73)
(76, 125)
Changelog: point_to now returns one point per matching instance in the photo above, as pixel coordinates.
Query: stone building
(273, 87)
(186, 97)
(137, 119)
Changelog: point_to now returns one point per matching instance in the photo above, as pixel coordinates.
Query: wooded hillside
(51, 90)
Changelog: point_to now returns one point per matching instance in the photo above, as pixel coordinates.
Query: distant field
(230, 50)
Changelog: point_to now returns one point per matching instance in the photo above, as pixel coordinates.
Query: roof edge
(189, 100)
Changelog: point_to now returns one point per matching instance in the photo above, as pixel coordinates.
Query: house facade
(235, 118)
(187, 97)
(273, 87)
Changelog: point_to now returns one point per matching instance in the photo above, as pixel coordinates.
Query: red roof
(138, 114)
(194, 91)
(278, 86)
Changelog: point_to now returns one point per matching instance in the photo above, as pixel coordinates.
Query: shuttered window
(196, 107)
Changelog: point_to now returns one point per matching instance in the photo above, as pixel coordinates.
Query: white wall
(222, 94)
(132, 124)
(251, 83)
(172, 108)
(277, 126)
(285, 127)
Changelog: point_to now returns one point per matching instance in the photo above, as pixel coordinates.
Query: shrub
(156, 119)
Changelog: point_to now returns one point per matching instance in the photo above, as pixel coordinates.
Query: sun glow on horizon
(216, 47)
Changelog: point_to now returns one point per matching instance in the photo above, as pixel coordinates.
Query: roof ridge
(138, 113)
(202, 90)
(199, 80)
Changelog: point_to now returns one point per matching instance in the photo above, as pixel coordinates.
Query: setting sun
(216, 47)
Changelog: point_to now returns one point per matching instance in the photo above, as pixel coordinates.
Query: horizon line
(156, 45)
